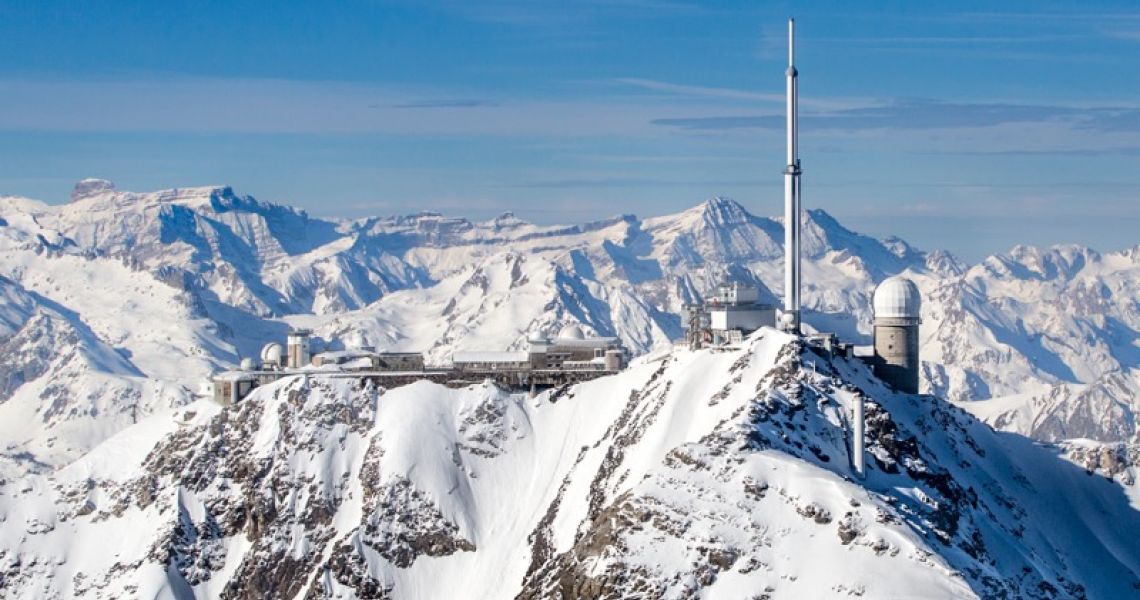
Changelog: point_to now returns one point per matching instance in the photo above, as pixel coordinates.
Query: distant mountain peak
(85, 188)
(720, 210)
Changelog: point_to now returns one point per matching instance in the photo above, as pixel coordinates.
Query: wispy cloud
(699, 90)
(949, 40)
(462, 103)
(926, 114)
(553, 14)
(212, 105)
(1131, 35)
(623, 182)
(735, 94)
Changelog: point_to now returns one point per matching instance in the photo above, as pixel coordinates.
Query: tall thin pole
(858, 435)
(792, 194)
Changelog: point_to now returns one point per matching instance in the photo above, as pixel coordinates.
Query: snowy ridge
(212, 275)
(710, 473)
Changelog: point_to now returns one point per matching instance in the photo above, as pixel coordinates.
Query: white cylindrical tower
(792, 193)
(898, 313)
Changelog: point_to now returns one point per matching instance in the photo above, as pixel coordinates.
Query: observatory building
(898, 309)
(734, 311)
(571, 350)
(299, 352)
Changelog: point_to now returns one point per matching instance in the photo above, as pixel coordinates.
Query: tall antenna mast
(791, 316)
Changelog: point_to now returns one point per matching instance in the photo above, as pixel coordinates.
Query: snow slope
(719, 473)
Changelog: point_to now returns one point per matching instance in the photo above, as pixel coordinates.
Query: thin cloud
(628, 182)
(920, 114)
(442, 104)
(948, 40)
(700, 91)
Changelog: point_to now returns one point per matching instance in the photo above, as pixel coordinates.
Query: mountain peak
(720, 210)
(85, 188)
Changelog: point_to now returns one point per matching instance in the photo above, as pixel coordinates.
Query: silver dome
(571, 332)
(897, 298)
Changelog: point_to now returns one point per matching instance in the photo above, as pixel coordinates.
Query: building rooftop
(481, 356)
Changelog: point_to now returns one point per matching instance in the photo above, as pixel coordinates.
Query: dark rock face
(401, 524)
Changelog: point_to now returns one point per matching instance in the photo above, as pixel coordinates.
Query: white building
(733, 312)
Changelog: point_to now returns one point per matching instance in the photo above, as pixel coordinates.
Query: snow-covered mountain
(715, 471)
(208, 276)
(713, 474)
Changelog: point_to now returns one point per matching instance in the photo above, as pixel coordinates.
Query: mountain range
(116, 308)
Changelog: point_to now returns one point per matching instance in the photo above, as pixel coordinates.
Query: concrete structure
(367, 359)
(569, 358)
(571, 350)
(345, 359)
(231, 386)
(299, 352)
(898, 312)
(732, 312)
(398, 361)
(790, 320)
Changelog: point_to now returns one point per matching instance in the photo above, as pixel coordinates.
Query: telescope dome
(897, 298)
(271, 353)
(538, 338)
(571, 332)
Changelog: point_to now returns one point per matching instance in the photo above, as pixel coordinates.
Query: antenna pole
(791, 318)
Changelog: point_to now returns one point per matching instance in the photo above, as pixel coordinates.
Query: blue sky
(965, 126)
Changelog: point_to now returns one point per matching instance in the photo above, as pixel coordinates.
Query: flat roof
(489, 356)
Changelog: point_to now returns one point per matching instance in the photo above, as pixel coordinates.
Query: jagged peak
(85, 188)
(1049, 262)
(507, 220)
(824, 220)
(724, 211)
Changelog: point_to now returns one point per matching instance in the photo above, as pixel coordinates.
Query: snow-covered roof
(335, 355)
(235, 376)
(598, 342)
(481, 356)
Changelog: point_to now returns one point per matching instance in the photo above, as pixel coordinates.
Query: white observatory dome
(271, 353)
(247, 364)
(571, 332)
(897, 298)
(537, 338)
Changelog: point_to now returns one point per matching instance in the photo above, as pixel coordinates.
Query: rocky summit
(717, 473)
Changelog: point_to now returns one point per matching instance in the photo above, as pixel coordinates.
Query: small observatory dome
(537, 338)
(571, 332)
(247, 364)
(271, 354)
(897, 298)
